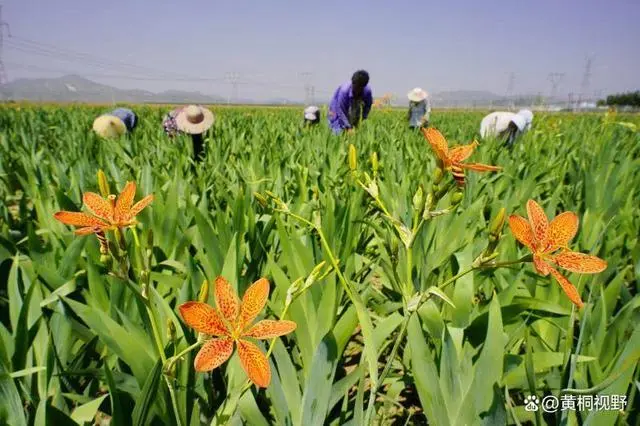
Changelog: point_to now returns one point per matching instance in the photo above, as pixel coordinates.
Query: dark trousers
(198, 147)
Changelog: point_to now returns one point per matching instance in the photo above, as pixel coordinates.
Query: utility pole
(233, 79)
(4, 79)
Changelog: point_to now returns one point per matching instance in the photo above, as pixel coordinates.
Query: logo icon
(531, 403)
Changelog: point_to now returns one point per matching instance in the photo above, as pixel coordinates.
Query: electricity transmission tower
(309, 88)
(3, 72)
(233, 78)
(586, 80)
(555, 78)
(509, 93)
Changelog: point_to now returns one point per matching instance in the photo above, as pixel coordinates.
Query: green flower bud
(203, 295)
(498, 222)
(437, 176)
(456, 198)
(353, 158)
(418, 199)
(374, 162)
(171, 330)
(261, 199)
(103, 184)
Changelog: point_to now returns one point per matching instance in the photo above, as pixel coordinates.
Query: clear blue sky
(439, 45)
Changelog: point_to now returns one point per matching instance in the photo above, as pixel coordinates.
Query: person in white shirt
(419, 108)
(506, 125)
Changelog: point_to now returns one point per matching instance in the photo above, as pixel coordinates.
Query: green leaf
(27, 372)
(87, 412)
(11, 411)
(425, 374)
(148, 396)
(317, 390)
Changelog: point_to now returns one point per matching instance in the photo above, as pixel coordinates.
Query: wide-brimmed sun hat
(519, 121)
(194, 119)
(526, 114)
(109, 126)
(417, 95)
(311, 112)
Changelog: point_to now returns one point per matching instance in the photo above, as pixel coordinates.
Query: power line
(555, 78)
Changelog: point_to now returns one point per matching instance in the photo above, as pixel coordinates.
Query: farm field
(413, 301)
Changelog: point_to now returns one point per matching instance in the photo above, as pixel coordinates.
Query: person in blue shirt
(351, 102)
(115, 123)
(419, 108)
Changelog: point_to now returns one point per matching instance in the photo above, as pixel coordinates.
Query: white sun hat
(527, 115)
(194, 119)
(311, 112)
(417, 95)
(109, 126)
(519, 121)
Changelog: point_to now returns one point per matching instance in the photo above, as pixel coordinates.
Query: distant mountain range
(74, 88)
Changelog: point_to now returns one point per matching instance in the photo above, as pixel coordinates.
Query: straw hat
(417, 95)
(109, 126)
(194, 119)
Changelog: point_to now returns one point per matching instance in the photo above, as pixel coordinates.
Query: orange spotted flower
(544, 239)
(232, 323)
(109, 214)
(452, 159)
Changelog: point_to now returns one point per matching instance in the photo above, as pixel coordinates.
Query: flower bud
(374, 162)
(498, 222)
(353, 158)
(171, 330)
(105, 260)
(144, 276)
(373, 189)
(437, 175)
(103, 184)
(418, 199)
(203, 295)
(261, 199)
(456, 198)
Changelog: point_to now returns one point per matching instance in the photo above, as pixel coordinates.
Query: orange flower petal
(540, 265)
(140, 205)
(125, 201)
(477, 167)
(254, 362)
(539, 223)
(579, 262)
(227, 300)
(203, 318)
(462, 152)
(562, 229)
(570, 290)
(213, 353)
(521, 229)
(268, 329)
(98, 205)
(253, 301)
(438, 143)
(79, 219)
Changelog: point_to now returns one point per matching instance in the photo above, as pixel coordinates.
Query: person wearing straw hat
(506, 126)
(419, 108)
(195, 120)
(351, 103)
(115, 123)
(311, 115)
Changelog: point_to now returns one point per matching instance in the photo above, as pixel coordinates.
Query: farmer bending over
(506, 126)
(350, 103)
(193, 120)
(115, 123)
